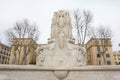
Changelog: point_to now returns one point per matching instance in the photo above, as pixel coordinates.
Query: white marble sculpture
(61, 23)
(61, 50)
(40, 56)
(80, 56)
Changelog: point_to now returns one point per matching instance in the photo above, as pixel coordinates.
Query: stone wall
(33, 72)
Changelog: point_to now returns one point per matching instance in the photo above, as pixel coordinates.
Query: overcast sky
(40, 12)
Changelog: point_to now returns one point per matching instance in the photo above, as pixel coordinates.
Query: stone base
(33, 72)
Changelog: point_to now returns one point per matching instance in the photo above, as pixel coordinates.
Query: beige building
(23, 47)
(94, 57)
(4, 54)
(117, 57)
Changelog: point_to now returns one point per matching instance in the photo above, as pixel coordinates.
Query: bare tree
(82, 23)
(101, 34)
(17, 36)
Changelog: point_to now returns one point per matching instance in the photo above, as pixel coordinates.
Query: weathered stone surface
(32, 72)
(61, 50)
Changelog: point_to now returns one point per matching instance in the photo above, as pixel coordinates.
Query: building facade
(4, 54)
(95, 54)
(117, 57)
(23, 51)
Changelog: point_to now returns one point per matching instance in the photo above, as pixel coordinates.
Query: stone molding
(33, 72)
(82, 68)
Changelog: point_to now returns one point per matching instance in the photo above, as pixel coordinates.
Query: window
(106, 49)
(107, 55)
(7, 54)
(1, 52)
(119, 62)
(96, 42)
(106, 41)
(108, 62)
(99, 62)
(98, 55)
(98, 48)
(6, 58)
(2, 62)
